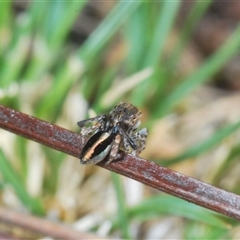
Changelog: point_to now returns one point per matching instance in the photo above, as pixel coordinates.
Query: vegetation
(127, 57)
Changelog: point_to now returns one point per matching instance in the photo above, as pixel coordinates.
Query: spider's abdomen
(97, 148)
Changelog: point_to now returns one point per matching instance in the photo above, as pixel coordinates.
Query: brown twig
(40, 226)
(142, 170)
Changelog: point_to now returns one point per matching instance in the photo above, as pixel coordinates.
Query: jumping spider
(105, 134)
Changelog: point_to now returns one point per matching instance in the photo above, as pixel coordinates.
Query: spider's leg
(127, 147)
(99, 119)
(140, 138)
(91, 125)
(127, 138)
(115, 148)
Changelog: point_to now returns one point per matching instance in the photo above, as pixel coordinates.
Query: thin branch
(40, 226)
(139, 169)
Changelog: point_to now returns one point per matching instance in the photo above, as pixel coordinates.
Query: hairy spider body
(108, 133)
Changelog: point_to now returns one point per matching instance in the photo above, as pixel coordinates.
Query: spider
(106, 134)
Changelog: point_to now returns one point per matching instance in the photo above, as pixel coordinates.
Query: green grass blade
(16, 55)
(52, 24)
(5, 13)
(165, 204)
(198, 10)
(122, 213)
(108, 27)
(229, 162)
(5, 25)
(62, 20)
(37, 12)
(164, 24)
(11, 177)
(206, 145)
(54, 19)
(137, 41)
(196, 230)
(203, 74)
(53, 100)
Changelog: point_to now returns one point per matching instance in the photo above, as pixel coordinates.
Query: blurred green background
(178, 61)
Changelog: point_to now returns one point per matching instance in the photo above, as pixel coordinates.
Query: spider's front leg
(140, 140)
(128, 142)
(89, 126)
(134, 143)
(98, 119)
(115, 148)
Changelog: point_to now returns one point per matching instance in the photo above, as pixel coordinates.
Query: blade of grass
(116, 92)
(20, 149)
(196, 230)
(11, 177)
(65, 78)
(53, 24)
(138, 43)
(198, 10)
(122, 214)
(37, 50)
(35, 12)
(203, 74)
(16, 55)
(163, 27)
(55, 162)
(164, 24)
(164, 204)
(233, 156)
(206, 145)
(5, 25)
(59, 22)
(108, 27)
(5, 14)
